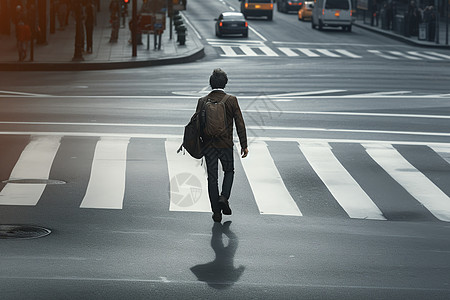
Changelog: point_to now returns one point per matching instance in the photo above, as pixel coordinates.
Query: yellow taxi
(305, 11)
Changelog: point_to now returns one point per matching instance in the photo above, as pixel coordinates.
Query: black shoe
(217, 217)
(224, 205)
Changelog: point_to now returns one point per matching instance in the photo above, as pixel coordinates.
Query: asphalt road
(344, 194)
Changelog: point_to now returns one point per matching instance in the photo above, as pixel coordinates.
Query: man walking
(219, 108)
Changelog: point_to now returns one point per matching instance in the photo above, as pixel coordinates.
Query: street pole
(134, 29)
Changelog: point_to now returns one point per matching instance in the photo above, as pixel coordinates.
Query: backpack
(192, 138)
(214, 117)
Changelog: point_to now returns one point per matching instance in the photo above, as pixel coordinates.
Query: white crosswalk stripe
(229, 48)
(438, 54)
(380, 54)
(308, 52)
(348, 53)
(34, 163)
(417, 184)
(341, 184)
(401, 54)
(107, 182)
(268, 188)
(188, 192)
(415, 53)
(188, 187)
(327, 53)
(288, 51)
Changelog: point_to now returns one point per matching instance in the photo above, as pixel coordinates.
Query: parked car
(289, 5)
(333, 13)
(305, 12)
(231, 23)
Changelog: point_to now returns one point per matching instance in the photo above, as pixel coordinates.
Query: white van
(333, 13)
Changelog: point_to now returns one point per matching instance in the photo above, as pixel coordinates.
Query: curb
(91, 66)
(400, 37)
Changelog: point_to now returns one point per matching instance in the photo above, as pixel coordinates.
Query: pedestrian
(429, 17)
(89, 24)
(61, 12)
(218, 110)
(23, 38)
(114, 9)
(414, 18)
(389, 15)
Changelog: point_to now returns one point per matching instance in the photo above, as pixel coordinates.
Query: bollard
(181, 32)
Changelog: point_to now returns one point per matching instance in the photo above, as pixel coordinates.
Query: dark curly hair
(218, 79)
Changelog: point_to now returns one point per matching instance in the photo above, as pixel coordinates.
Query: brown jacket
(233, 112)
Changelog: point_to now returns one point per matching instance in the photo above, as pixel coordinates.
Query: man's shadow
(220, 273)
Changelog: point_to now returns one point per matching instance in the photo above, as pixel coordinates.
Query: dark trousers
(212, 157)
(89, 33)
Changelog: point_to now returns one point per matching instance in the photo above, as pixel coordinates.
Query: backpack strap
(225, 99)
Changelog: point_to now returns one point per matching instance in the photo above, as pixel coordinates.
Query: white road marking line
(438, 54)
(327, 53)
(190, 25)
(376, 52)
(330, 44)
(248, 51)
(385, 93)
(268, 51)
(288, 51)
(255, 138)
(257, 33)
(423, 55)
(268, 188)
(398, 53)
(106, 186)
(222, 41)
(228, 51)
(306, 93)
(347, 53)
(23, 94)
(188, 184)
(182, 96)
(256, 127)
(308, 52)
(412, 180)
(347, 192)
(35, 162)
(443, 151)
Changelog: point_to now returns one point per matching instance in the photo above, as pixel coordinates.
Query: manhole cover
(22, 232)
(34, 181)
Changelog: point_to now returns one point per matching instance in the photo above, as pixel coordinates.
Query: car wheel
(349, 28)
(270, 16)
(313, 26)
(320, 25)
(245, 34)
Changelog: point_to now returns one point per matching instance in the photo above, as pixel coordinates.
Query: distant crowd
(413, 17)
(27, 28)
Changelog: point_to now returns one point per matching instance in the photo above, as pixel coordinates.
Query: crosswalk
(261, 49)
(110, 163)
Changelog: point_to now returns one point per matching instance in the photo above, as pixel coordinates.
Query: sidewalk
(57, 54)
(413, 40)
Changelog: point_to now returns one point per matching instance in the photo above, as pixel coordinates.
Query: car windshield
(337, 4)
